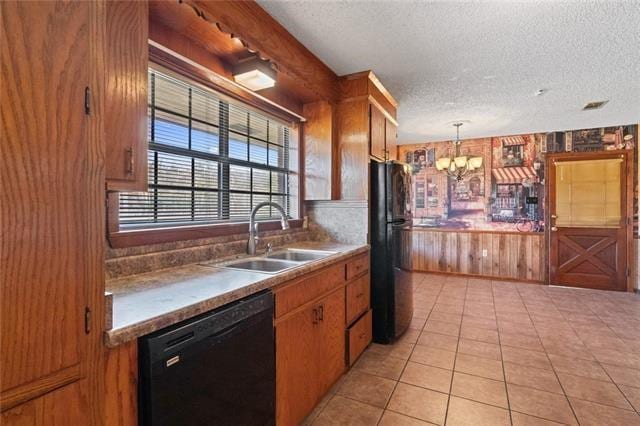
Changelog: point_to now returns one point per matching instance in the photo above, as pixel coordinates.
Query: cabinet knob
(554, 228)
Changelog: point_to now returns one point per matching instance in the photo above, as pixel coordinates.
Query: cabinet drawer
(358, 337)
(301, 291)
(358, 297)
(357, 266)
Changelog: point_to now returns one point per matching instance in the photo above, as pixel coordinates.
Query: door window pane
(588, 193)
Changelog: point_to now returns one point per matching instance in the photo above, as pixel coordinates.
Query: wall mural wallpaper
(507, 193)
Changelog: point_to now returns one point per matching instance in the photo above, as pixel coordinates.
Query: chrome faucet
(253, 225)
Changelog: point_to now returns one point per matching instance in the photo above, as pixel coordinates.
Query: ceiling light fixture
(254, 73)
(458, 166)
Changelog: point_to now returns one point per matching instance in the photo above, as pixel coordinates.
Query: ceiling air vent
(594, 105)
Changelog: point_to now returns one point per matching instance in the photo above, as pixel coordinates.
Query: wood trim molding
(140, 237)
(486, 277)
(388, 116)
(180, 64)
(18, 395)
(262, 34)
(472, 231)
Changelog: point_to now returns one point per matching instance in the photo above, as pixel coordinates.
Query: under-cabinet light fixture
(254, 74)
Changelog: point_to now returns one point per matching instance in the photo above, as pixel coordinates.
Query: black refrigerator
(390, 238)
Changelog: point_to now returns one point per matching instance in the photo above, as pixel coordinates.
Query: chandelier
(458, 166)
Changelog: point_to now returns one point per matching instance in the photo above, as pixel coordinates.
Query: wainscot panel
(507, 255)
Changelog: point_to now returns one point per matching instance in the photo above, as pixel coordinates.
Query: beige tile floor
(483, 352)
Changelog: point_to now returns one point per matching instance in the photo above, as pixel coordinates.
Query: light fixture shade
(254, 74)
(460, 161)
(475, 162)
(443, 163)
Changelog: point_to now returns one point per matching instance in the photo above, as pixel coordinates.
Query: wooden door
(377, 133)
(330, 340)
(51, 244)
(296, 387)
(391, 140)
(126, 64)
(590, 210)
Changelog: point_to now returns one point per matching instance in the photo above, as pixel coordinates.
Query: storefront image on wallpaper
(507, 193)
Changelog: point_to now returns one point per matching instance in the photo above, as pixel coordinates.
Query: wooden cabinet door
(51, 179)
(62, 407)
(296, 366)
(126, 64)
(391, 140)
(377, 133)
(329, 337)
(318, 151)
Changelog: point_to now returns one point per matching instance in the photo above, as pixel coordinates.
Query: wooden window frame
(118, 238)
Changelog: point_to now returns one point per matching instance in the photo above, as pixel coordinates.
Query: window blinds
(210, 160)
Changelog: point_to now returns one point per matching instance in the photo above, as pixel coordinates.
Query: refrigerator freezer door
(398, 192)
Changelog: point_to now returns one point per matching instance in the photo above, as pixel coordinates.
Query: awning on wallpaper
(512, 140)
(514, 174)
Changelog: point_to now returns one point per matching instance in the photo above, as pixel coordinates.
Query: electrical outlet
(484, 252)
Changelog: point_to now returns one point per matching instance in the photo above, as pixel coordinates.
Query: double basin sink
(279, 261)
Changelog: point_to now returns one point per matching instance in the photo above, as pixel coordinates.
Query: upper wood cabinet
(364, 110)
(377, 134)
(52, 209)
(126, 64)
(391, 140)
(319, 167)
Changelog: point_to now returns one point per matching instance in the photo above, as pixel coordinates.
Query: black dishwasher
(214, 369)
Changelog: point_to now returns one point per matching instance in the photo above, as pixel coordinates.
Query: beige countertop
(148, 302)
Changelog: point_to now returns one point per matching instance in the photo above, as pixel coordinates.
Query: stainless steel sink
(300, 255)
(270, 266)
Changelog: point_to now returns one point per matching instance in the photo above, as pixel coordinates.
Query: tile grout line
(395, 386)
(455, 359)
(547, 354)
(604, 369)
(504, 374)
(597, 361)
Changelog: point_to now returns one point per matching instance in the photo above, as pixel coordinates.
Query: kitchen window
(211, 159)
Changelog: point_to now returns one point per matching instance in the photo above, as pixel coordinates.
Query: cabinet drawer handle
(321, 313)
(315, 315)
(131, 162)
(359, 295)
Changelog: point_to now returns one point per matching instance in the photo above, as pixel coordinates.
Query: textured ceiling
(482, 61)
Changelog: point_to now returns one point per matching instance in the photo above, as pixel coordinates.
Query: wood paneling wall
(516, 256)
